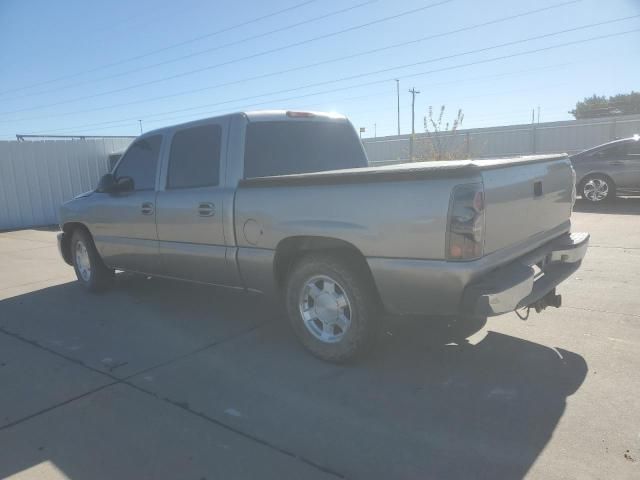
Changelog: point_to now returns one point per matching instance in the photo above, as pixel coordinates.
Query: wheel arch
(69, 228)
(291, 249)
(595, 173)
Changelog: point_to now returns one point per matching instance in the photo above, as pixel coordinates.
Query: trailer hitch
(551, 299)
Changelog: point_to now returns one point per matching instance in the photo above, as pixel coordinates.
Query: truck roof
(263, 116)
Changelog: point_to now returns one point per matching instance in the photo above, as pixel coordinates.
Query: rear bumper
(494, 284)
(527, 279)
(63, 247)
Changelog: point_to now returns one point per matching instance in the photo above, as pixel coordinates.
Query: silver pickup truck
(285, 204)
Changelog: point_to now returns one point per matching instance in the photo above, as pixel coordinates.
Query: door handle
(616, 162)
(147, 208)
(206, 209)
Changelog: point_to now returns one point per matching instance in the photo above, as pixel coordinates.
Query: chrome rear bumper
(528, 278)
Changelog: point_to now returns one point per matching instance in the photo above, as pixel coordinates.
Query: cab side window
(194, 160)
(610, 153)
(141, 163)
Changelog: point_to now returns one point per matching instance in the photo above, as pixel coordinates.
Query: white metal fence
(552, 137)
(37, 176)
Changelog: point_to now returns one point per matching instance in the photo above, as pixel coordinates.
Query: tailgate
(525, 197)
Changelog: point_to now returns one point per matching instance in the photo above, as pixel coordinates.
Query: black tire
(99, 276)
(352, 280)
(601, 180)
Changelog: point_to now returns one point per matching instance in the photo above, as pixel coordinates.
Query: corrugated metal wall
(552, 137)
(37, 176)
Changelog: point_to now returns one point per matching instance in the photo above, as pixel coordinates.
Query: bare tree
(442, 141)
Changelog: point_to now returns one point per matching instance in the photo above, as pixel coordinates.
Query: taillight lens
(466, 222)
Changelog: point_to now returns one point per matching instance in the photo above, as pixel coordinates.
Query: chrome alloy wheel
(325, 309)
(596, 189)
(83, 263)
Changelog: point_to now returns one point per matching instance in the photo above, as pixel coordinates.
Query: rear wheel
(332, 306)
(597, 188)
(92, 273)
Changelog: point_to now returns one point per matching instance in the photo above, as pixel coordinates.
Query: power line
(288, 27)
(169, 47)
(229, 62)
(377, 94)
(325, 62)
(449, 82)
(387, 80)
(428, 72)
(397, 67)
(208, 50)
(452, 67)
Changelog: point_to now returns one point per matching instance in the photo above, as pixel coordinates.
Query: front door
(124, 223)
(190, 207)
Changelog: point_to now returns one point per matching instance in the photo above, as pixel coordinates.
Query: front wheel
(597, 188)
(332, 306)
(90, 270)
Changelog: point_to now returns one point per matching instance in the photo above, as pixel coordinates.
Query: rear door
(632, 166)
(190, 225)
(124, 223)
(610, 160)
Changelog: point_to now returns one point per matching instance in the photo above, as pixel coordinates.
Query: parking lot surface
(160, 379)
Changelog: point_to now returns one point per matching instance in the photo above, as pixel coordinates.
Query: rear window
(612, 151)
(194, 159)
(285, 148)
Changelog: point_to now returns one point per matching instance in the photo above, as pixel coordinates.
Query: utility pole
(413, 93)
(538, 114)
(140, 122)
(398, 95)
(533, 116)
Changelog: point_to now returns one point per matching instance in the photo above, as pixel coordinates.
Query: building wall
(37, 176)
(552, 137)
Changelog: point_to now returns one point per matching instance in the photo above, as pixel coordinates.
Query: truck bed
(398, 172)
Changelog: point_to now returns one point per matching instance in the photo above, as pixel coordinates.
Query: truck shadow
(418, 407)
(619, 206)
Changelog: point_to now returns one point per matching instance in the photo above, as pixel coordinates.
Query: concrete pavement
(159, 379)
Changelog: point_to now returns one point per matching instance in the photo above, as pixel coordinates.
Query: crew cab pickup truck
(285, 204)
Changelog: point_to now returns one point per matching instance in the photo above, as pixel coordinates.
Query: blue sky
(98, 67)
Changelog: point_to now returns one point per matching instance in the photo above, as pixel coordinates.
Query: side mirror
(106, 183)
(109, 184)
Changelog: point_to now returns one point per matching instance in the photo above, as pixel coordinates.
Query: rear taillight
(465, 233)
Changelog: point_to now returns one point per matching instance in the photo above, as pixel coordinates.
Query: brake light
(300, 114)
(465, 231)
